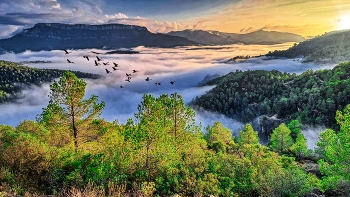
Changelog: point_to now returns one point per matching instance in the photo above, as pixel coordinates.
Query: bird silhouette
(114, 68)
(107, 71)
(70, 61)
(158, 83)
(172, 82)
(128, 74)
(115, 65)
(87, 57)
(134, 71)
(107, 63)
(148, 79)
(121, 86)
(128, 79)
(66, 51)
(96, 64)
(98, 59)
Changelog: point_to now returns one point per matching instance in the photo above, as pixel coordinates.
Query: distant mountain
(204, 37)
(263, 37)
(333, 47)
(222, 38)
(49, 36)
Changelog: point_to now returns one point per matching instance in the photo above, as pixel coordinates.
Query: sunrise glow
(343, 23)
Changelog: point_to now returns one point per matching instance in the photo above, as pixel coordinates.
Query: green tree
(68, 109)
(295, 128)
(325, 140)
(219, 137)
(299, 148)
(248, 135)
(280, 139)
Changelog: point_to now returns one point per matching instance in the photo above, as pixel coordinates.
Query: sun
(343, 23)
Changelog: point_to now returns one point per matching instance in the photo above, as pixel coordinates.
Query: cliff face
(49, 36)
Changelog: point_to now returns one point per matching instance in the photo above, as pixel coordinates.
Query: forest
(312, 97)
(15, 77)
(331, 47)
(70, 151)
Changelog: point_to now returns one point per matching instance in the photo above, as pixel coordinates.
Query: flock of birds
(115, 68)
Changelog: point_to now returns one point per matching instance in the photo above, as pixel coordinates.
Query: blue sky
(304, 17)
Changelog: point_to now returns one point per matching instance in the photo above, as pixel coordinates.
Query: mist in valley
(187, 68)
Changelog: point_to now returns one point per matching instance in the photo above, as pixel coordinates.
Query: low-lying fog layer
(186, 67)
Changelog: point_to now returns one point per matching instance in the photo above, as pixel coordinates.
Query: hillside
(222, 38)
(333, 47)
(204, 37)
(50, 36)
(15, 77)
(312, 97)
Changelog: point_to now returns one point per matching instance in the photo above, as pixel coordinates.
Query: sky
(305, 17)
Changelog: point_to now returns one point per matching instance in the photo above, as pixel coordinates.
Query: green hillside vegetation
(333, 47)
(70, 151)
(15, 77)
(312, 97)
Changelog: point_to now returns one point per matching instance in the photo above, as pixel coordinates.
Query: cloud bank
(186, 67)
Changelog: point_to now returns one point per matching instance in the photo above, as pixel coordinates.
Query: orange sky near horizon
(305, 17)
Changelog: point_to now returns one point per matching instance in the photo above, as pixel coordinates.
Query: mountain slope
(264, 37)
(204, 37)
(15, 77)
(222, 38)
(312, 97)
(49, 36)
(333, 47)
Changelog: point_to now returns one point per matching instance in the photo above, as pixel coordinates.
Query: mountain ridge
(50, 36)
(222, 38)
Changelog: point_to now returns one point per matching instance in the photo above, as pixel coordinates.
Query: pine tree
(280, 138)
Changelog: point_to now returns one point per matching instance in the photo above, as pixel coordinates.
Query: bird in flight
(107, 63)
(87, 57)
(128, 74)
(114, 68)
(66, 51)
(148, 79)
(158, 83)
(172, 82)
(115, 65)
(96, 64)
(121, 86)
(98, 59)
(70, 61)
(134, 71)
(107, 71)
(128, 79)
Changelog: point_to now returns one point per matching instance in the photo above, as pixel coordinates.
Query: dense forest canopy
(71, 151)
(332, 47)
(15, 77)
(311, 97)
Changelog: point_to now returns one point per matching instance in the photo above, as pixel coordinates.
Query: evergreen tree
(280, 139)
(68, 109)
(299, 148)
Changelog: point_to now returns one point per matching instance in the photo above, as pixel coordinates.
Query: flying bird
(66, 51)
(98, 59)
(107, 71)
(148, 79)
(70, 61)
(87, 57)
(128, 74)
(134, 71)
(115, 65)
(121, 86)
(96, 64)
(107, 63)
(128, 79)
(172, 82)
(114, 68)
(158, 83)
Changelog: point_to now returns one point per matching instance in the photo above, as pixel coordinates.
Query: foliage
(280, 139)
(311, 97)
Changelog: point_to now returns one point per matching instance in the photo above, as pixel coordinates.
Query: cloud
(186, 67)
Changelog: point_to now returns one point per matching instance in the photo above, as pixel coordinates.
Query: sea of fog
(187, 66)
